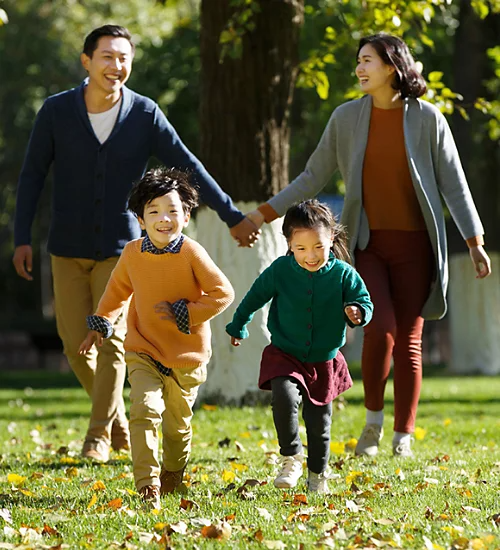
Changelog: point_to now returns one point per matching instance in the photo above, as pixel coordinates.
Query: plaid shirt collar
(173, 247)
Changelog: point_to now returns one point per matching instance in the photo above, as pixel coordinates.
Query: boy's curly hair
(158, 182)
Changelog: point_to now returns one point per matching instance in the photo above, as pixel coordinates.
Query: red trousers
(397, 267)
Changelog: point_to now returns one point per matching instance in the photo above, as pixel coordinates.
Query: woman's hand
(354, 314)
(93, 337)
(481, 261)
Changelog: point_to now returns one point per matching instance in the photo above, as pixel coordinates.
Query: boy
(174, 289)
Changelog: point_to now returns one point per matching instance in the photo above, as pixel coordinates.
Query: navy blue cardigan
(92, 180)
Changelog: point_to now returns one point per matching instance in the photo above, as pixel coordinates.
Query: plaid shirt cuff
(100, 324)
(181, 315)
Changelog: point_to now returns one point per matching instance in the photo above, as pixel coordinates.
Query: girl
(397, 157)
(314, 293)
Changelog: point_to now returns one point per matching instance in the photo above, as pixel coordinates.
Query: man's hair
(158, 182)
(92, 40)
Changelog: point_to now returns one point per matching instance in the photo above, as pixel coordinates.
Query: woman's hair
(312, 214)
(393, 51)
(158, 182)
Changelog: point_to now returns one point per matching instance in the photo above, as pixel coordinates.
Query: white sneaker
(291, 470)
(317, 483)
(403, 448)
(369, 440)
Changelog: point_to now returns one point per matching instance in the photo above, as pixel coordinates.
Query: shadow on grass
(38, 379)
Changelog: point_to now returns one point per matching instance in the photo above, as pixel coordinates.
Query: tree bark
(244, 123)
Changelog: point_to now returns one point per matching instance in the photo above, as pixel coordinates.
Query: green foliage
(239, 23)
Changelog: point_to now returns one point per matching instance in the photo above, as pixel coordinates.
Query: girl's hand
(481, 261)
(166, 311)
(354, 314)
(235, 341)
(93, 337)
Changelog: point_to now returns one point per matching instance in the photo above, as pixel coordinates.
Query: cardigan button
(309, 309)
(308, 343)
(309, 326)
(309, 291)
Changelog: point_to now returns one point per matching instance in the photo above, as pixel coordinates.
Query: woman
(396, 155)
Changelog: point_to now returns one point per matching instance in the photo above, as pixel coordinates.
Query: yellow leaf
(245, 434)
(420, 433)
(227, 475)
(98, 486)
(131, 492)
(26, 492)
(93, 500)
(68, 460)
(160, 526)
(16, 480)
(209, 407)
(72, 472)
(447, 421)
(337, 447)
(204, 478)
(476, 544)
(351, 444)
(352, 476)
(239, 467)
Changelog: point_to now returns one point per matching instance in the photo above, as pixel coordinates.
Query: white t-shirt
(103, 123)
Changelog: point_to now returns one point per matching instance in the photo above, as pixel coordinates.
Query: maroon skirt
(322, 381)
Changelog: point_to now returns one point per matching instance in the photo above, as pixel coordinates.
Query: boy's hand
(93, 337)
(245, 233)
(235, 341)
(166, 310)
(354, 314)
(481, 261)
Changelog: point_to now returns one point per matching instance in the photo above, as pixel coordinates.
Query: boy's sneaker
(369, 440)
(151, 496)
(171, 480)
(291, 470)
(317, 483)
(96, 450)
(402, 448)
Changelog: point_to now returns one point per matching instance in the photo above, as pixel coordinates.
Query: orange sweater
(149, 279)
(389, 198)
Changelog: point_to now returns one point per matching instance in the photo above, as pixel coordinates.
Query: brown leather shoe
(151, 496)
(96, 450)
(170, 481)
(120, 436)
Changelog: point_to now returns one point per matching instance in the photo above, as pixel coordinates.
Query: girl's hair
(312, 214)
(393, 51)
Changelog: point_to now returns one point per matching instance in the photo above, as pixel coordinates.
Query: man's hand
(354, 313)
(23, 261)
(481, 261)
(166, 311)
(256, 217)
(245, 233)
(235, 341)
(93, 337)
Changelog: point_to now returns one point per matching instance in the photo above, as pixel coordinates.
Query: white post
(474, 310)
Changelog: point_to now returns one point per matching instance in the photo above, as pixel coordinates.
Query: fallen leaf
(263, 512)
(5, 515)
(93, 500)
(274, 544)
(384, 521)
(299, 499)
(71, 472)
(337, 447)
(224, 442)
(228, 476)
(188, 504)
(420, 433)
(16, 480)
(98, 486)
(220, 531)
(115, 504)
(207, 407)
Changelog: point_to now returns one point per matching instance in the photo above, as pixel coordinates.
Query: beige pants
(158, 399)
(78, 286)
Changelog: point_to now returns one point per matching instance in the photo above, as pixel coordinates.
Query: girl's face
(311, 247)
(373, 74)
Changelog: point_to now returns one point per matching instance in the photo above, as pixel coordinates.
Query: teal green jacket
(306, 318)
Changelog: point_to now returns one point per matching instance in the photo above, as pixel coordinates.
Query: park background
(250, 85)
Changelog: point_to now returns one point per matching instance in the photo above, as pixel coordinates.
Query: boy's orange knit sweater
(149, 279)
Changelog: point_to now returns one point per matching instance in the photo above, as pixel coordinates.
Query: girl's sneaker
(291, 470)
(317, 483)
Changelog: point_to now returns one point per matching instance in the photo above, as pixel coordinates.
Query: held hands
(481, 261)
(256, 217)
(354, 314)
(165, 310)
(23, 261)
(93, 337)
(245, 233)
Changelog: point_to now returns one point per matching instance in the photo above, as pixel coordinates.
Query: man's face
(110, 64)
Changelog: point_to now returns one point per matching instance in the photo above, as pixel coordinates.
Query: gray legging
(286, 399)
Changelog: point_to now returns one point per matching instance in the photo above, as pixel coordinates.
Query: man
(99, 138)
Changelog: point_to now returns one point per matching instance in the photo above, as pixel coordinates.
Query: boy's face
(164, 219)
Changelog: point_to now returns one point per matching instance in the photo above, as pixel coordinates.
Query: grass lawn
(448, 496)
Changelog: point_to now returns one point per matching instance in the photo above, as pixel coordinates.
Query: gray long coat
(435, 170)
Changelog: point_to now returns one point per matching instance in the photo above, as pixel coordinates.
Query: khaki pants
(158, 399)
(78, 286)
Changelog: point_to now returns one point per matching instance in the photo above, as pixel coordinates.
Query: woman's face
(373, 74)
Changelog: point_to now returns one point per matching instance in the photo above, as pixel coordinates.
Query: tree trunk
(475, 305)
(244, 120)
